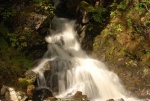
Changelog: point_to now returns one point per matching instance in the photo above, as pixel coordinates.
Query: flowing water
(75, 70)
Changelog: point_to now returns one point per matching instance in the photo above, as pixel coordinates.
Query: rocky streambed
(40, 94)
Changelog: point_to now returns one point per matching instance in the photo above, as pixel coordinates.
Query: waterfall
(74, 69)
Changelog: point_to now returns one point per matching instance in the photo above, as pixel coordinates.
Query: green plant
(123, 5)
(86, 6)
(148, 53)
(46, 6)
(138, 29)
(147, 22)
(38, 1)
(17, 41)
(118, 28)
(142, 37)
(6, 12)
(143, 6)
(112, 13)
(139, 7)
(146, 4)
(20, 40)
(97, 14)
(13, 64)
(115, 27)
(129, 22)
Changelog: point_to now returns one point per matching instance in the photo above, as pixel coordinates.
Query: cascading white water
(75, 70)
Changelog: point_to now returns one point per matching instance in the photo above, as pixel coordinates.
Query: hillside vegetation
(116, 32)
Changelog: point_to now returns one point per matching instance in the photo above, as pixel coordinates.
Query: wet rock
(110, 100)
(44, 26)
(83, 17)
(30, 75)
(33, 20)
(84, 98)
(83, 10)
(47, 65)
(78, 96)
(41, 94)
(9, 93)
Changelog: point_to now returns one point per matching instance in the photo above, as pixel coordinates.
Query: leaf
(24, 44)
(22, 37)
(13, 44)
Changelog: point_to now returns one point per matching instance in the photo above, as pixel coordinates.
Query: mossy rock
(86, 6)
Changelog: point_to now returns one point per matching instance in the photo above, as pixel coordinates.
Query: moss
(86, 6)
(124, 45)
(13, 64)
(23, 83)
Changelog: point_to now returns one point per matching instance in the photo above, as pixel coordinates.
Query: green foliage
(148, 53)
(113, 5)
(23, 84)
(138, 29)
(13, 64)
(142, 38)
(38, 1)
(123, 5)
(17, 41)
(147, 22)
(142, 6)
(24, 39)
(12, 57)
(87, 7)
(41, 1)
(129, 22)
(139, 7)
(118, 28)
(146, 4)
(116, 8)
(6, 12)
(97, 14)
(113, 13)
(115, 27)
(45, 6)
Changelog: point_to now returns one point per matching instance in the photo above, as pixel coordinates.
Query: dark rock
(41, 94)
(84, 98)
(110, 100)
(83, 11)
(32, 76)
(34, 20)
(78, 96)
(43, 28)
(61, 7)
